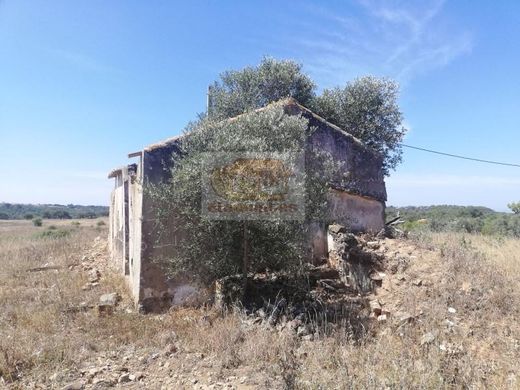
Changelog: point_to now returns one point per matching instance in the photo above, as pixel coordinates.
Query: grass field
(464, 332)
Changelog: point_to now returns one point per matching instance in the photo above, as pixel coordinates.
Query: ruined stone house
(133, 245)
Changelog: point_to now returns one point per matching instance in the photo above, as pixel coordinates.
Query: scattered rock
(452, 310)
(417, 282)
(124, 378)
(335, 228)
(405, 318)
(78, 385)
(303, 330)
(375, 307)
(94, 275)
(169, 350)
(373, 244)
(449, 324)
(466, 287)
(427, 338)
(110, 299)
(102, 383)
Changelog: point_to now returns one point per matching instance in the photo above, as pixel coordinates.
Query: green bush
(466, 219)
(53, 234)
(101, 223)
(37, 222)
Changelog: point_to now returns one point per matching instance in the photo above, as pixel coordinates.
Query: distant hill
(51, 211)
(440, 211)
(471, 219)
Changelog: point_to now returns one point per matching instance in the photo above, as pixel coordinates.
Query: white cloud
(399, 40)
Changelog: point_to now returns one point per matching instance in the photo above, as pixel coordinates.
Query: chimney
(209, 101)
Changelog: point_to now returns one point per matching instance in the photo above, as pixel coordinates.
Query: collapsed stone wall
(358, 266)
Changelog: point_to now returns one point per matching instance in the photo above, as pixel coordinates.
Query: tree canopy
(366, 107)
(239, 91)
(215, 247)
(514, 207)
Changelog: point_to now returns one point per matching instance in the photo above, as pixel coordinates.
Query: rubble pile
(352, 288)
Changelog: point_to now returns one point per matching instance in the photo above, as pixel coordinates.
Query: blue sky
(83, 83)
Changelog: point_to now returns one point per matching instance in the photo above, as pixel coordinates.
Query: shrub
(53, 234)
(28, 216)
(37, 222)
(101, 223)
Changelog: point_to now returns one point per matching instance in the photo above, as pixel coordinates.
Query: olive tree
(211, 248)
(514, 207)
(368, 109)
(239, 91)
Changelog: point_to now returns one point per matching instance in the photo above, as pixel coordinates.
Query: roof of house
(121, 170)
(115, 172)
(287, 102)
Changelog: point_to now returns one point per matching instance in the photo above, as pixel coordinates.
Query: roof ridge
(283, 102)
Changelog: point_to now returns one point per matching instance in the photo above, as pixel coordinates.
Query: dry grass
(478, 276)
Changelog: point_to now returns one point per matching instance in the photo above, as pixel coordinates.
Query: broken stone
(375, 307)
(303, 330)
(449, 324)
(417, 282)
(373, 244)
(294, 324)
(466, 287)
(427, 338)
(382, 318)
(406, 318)
(336, 229)
(452, 310)
(94, 275)
(170, 349)
(103, 383)
(110, 299)
(79, 385)
(124, 378)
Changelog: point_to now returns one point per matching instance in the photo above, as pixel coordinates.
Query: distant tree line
(470, 219)
(50, 211)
